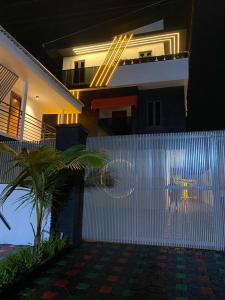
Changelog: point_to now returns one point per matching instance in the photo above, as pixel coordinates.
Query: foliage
(43, 172)
(25, 259)
(52, 246)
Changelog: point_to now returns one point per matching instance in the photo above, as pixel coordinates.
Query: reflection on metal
(185, 183)
(113, 168)
(145, 167)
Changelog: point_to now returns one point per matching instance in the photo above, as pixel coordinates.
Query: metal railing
(73, 78)
(33, 129)
(147, 59)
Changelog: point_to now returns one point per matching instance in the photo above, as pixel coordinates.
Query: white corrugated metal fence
(169, 189)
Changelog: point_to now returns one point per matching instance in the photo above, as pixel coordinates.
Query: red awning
(114, 102)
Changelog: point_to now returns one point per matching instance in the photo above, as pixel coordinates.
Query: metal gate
(165, 189)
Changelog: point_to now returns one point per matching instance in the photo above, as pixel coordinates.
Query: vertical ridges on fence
(169, 190)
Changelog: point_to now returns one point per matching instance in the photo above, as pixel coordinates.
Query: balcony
(157, 71)
(78, 78)
(81, 78)
(14, 125)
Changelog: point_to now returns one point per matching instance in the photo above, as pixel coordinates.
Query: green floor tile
(181, 287)
(99, 267)
(26, 292)
(42, 280)
(180, 267)
(104, 259)
(82, 286)
(180, 276)
(73, 297)
(91, 275)
(127, 293)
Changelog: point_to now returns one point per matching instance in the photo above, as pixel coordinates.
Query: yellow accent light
(116, 65)
(119, 45)
(174, 37)
(107, 69)
(184, 182)
(109, 57)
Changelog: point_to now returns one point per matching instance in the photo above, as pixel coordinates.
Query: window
(79, 71)
(154, 113)
(145, 53)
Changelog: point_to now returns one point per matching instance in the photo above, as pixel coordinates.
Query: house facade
(134, 83)
(32, 100)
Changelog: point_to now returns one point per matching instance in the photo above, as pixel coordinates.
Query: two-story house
(31, 98)
(131, 83)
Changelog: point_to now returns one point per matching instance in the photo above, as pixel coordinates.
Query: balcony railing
(153, 58)
(75, 78)
(11, 120)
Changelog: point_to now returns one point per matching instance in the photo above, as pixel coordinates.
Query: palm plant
(40, 175)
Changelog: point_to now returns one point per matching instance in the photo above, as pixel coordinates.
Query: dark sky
(34, 22)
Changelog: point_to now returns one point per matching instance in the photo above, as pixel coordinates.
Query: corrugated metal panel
(7, 81)
(169, 190)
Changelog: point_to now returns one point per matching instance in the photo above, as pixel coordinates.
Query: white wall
(96, 59)
(19, 220)
(152, 72)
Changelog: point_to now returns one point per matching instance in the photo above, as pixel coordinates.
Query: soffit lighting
(173, 37)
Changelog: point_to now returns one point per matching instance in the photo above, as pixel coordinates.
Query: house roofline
(40, 66)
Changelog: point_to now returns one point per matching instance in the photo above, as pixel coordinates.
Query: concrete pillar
(23, 109)
(68, 220)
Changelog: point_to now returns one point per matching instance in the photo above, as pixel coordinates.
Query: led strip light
(107, 69)
(173, 37)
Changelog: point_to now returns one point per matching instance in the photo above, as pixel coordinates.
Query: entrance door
(79, 74)
(14, 114)
(119, 122)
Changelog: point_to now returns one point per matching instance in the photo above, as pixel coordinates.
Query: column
(68, 219)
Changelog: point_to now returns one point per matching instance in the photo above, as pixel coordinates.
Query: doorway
(79, 71)
(14, 114)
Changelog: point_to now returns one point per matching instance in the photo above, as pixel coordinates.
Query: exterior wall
(90, 119)
(96, 59)
(172, 110)
(152, 72)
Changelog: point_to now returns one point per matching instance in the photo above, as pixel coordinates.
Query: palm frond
(7, 149)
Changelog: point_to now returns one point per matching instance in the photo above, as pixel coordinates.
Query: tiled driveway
(98, 271)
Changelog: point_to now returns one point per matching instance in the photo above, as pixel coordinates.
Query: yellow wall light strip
(109, 58)
(100, 68)
(116, 65)
(138, 41)
(117, 51)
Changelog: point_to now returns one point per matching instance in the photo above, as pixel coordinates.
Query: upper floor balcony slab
(154, 72)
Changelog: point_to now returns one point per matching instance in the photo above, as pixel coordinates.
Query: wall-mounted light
(37, 97)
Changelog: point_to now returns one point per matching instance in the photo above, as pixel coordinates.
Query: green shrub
(52, 246)
(23, 260)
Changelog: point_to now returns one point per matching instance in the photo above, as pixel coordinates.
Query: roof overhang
(108, 103)
(40, 81)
